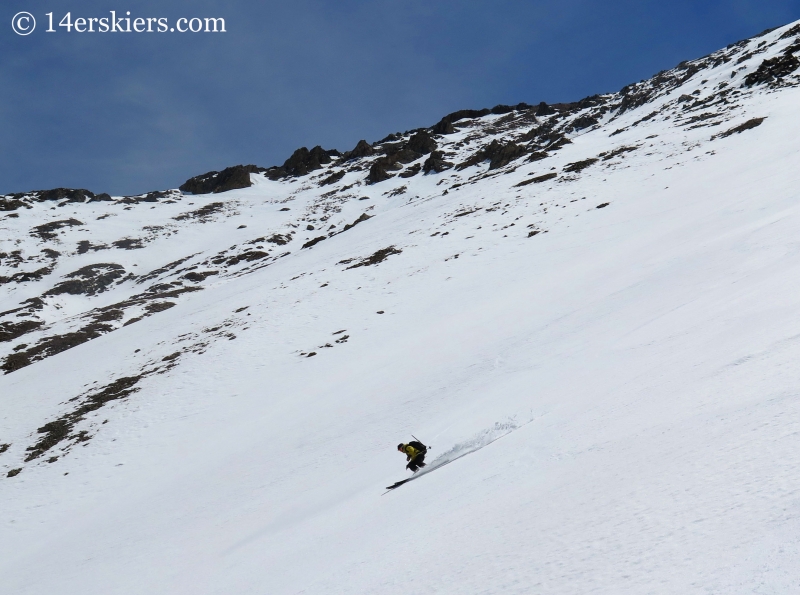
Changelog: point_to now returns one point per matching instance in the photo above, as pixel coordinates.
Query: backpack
(419, 446)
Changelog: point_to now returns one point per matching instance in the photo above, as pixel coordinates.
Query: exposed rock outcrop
(12, 202)
(772, 70)
(213, 182)
(333, 178)
(411, 171)
(749, 125)
(379, 171)
(445, 125)
(362, 149)
(498, 154)
(304, 161)
(436, 163)
(420, 144)
(89, 280)
(47, 231)
(585, 121)
(544, 110)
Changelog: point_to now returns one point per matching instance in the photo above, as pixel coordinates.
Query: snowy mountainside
(203, 386)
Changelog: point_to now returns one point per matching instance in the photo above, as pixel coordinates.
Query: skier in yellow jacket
(415, 454)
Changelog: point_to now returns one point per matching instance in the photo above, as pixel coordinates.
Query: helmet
(400, 446)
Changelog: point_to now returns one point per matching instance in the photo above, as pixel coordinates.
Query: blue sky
(126, 113)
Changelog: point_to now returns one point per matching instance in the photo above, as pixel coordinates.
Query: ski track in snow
(202, 396)
(482, 439)
(477, 442)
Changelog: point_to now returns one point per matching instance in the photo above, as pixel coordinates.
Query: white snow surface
(645, 355)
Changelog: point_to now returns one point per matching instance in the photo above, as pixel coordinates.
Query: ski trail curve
(478, 441)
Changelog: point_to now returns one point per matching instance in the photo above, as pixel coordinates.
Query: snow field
(651, 345)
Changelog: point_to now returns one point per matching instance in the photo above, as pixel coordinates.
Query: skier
(415, 454)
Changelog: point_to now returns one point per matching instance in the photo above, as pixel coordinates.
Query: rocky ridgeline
(540, 127)
(487, 142)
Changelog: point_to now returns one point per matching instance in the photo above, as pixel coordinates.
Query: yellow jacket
(411, 452)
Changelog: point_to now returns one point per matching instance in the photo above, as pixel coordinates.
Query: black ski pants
(416, 463)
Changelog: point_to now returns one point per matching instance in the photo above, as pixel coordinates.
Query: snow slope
(638, 355)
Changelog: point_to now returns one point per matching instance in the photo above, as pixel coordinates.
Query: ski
(399, 483)
(416, 476)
